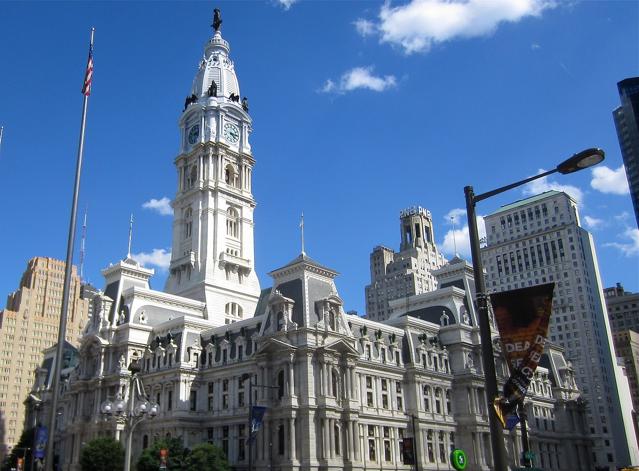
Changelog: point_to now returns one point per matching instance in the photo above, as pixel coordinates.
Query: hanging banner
(257, 417)
(522, 317)
(41, 438)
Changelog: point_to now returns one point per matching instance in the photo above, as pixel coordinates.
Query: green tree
(102, 454)
(206, 456)
(150, 458)
(23, 448)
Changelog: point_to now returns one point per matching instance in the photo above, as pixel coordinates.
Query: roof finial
(130, 235)
(217, 19)
(302, 232)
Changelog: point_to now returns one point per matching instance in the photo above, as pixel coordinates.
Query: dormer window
(280, 320)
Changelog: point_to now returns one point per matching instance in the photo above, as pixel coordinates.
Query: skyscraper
(396, 275)
(627, 123)
(539, 240)
(28, 326)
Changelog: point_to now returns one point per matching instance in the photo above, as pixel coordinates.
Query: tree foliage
(150, 458)
(102, 454)
(203, 457)
(206, 456)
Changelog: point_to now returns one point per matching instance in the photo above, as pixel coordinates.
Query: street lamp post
(582, 160)
(133, 413)
(244, 377)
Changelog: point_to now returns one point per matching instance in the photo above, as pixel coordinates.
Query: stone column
(326, 440)
(355, 439)
(291, 376)
(291, 438)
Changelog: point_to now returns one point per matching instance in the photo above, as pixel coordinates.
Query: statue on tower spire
(217, 19)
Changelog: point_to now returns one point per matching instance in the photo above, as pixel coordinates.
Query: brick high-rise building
(29, 325)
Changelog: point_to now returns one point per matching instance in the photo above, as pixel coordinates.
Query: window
(442, 448)
(371, 443)
(233, 310)
(230, 176)
(430, 446)
(241, 442)
(280, 384)
(438, 400)
(336, 434)
(225, 440)
(232, 222)
(169, 402)
(225, 394)
(427, 398)
(188, 222)
(334, 383)
(387, 445)
(280, 440)
(448, 403)
(193, 401)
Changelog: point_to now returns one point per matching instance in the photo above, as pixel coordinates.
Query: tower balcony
(235, 263)
(181, 262)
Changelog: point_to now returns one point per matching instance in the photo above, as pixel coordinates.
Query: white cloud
(460, 239)
(454, 216)
(543, 184)
(419, 24)
(160, 258)
(286, 4)
(607, 180)
(593, 223)
(630, 248)
(162, 206)
(535, 46)
(359, 77)
(364, 27)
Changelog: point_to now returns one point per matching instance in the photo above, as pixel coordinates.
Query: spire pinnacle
(128, 255)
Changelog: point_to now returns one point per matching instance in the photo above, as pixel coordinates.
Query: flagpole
(57, 365)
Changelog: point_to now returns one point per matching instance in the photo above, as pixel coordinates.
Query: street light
(243, 378)
(582, 160)
(133, 413)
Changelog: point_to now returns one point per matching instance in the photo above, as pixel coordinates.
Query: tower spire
(128, 255)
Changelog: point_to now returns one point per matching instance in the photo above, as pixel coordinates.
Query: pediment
(341, 346)
(273, 345)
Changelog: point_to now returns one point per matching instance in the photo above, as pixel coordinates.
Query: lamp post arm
(488, 194)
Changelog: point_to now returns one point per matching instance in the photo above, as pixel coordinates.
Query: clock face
(231, 132)
(194, 133)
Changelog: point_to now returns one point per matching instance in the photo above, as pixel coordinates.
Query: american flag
(88, 76)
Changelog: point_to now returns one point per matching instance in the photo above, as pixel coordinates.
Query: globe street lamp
(137, 409)
(582, 160)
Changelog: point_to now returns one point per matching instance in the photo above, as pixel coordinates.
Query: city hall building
(341, 391)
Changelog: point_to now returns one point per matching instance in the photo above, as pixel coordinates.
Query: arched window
(448, 402)
(332, 319)
(191, 177)
(280, 384)
(334, 383)
(188, 222)
(438, 400)
(233, 310)
(280, 320)
(230, 176)
(232, 222)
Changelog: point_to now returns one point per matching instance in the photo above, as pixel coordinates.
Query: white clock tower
(212, 256)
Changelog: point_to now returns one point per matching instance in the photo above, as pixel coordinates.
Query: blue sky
(360, 109)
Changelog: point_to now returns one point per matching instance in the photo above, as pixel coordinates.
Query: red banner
(522, 317)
